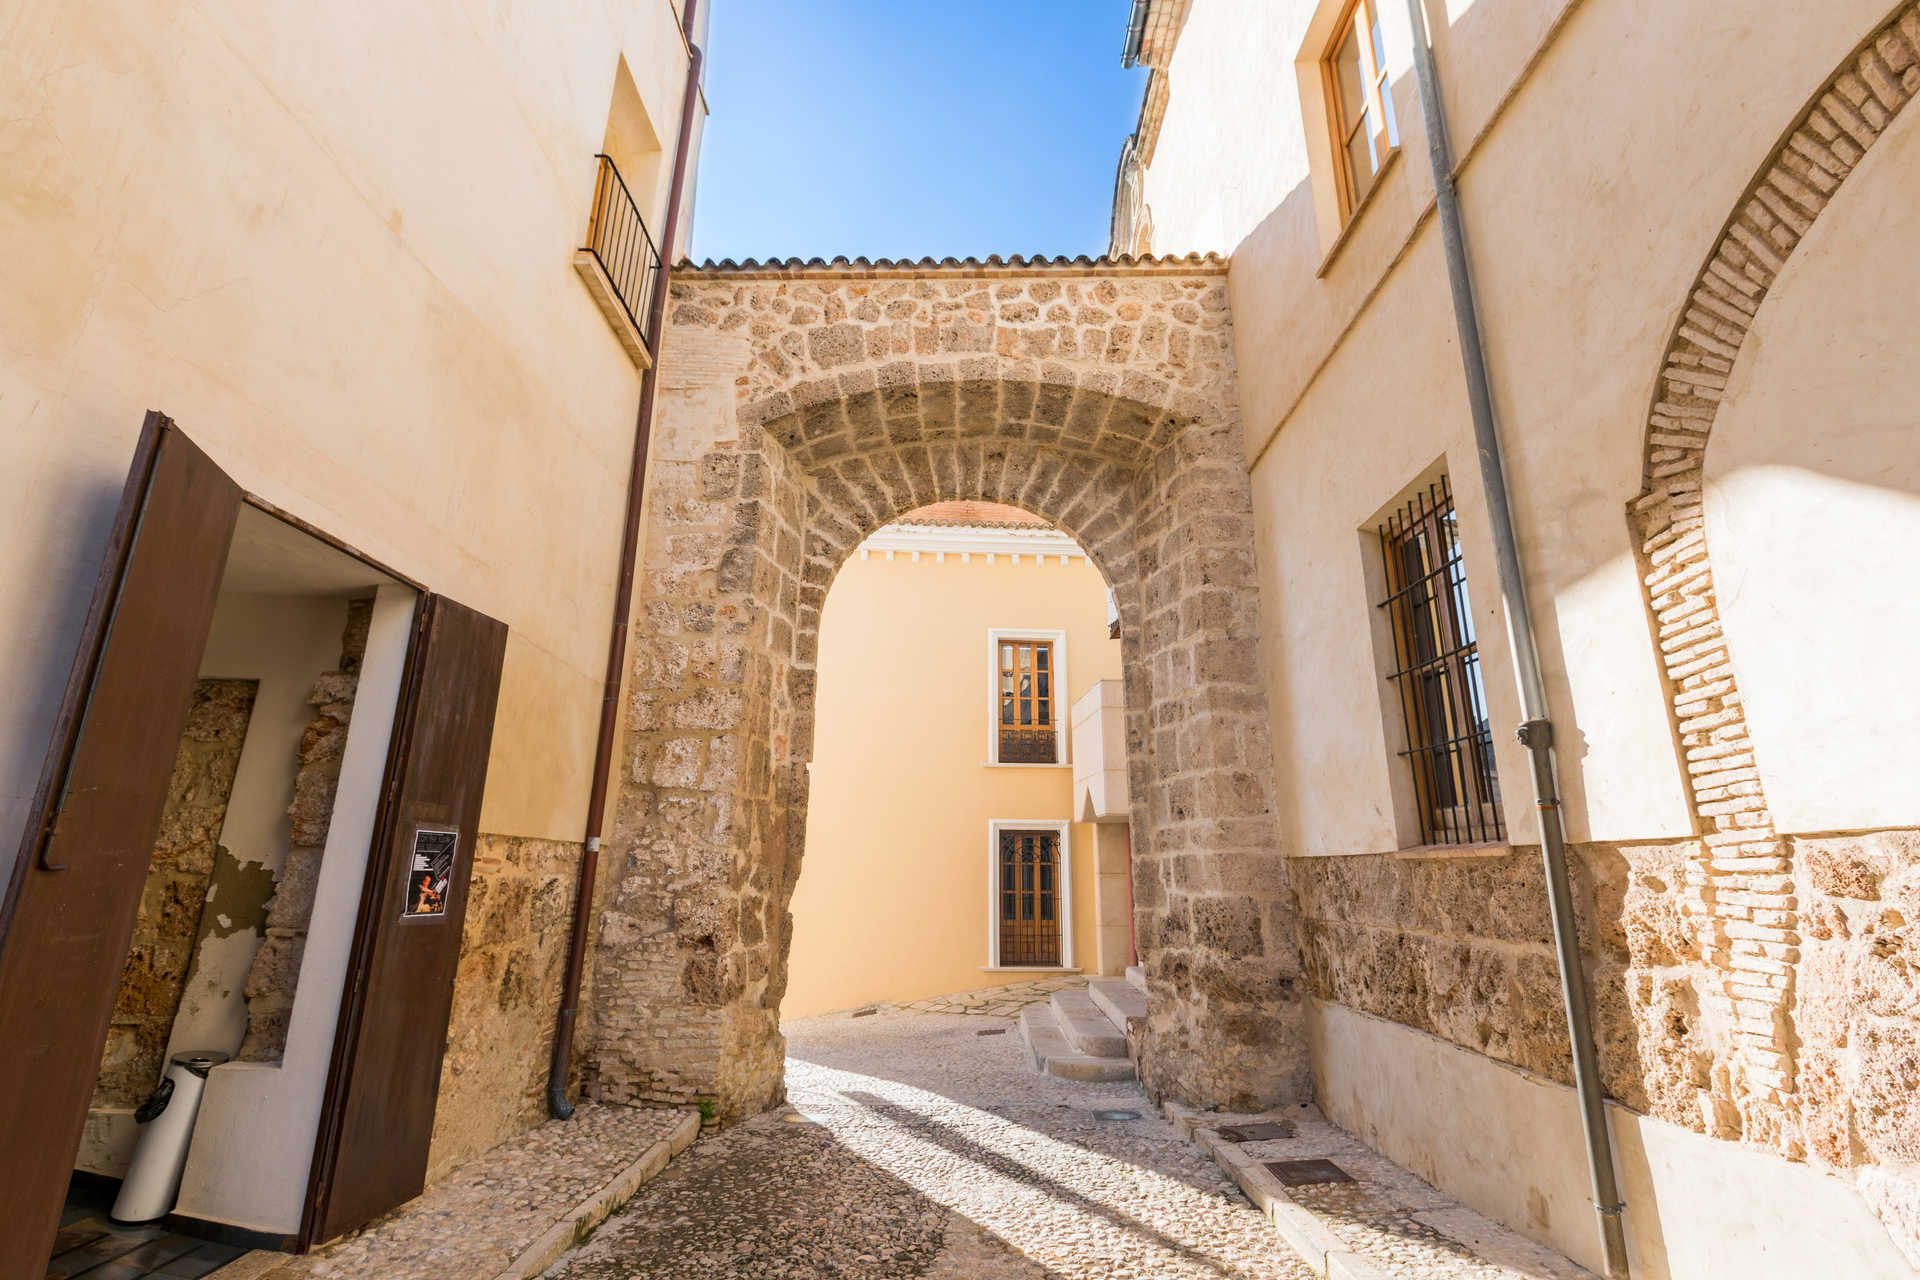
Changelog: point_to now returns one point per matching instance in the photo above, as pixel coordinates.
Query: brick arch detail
(1741, 892)
(817, 408)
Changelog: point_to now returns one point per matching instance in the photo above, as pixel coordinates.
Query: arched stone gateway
(1742, 894)
(803, 407)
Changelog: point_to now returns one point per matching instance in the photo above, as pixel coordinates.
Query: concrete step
(1118, 999)
(1137, 975)
(1052, 1054)
(1087, 1029)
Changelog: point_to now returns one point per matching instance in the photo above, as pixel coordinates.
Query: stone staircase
(1081, 1034)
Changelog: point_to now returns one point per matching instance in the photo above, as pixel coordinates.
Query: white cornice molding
(1036, 543)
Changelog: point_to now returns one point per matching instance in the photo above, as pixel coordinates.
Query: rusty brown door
(70, 904)
(372, 1151)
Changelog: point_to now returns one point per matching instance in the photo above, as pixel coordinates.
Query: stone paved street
(997, 1002)
(926, 1145)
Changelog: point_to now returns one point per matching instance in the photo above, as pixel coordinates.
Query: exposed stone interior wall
(275, 973)
(506, 995)
(804, 408)
(168, 926)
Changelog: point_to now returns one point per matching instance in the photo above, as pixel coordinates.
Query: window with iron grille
(1436, 672)
(1028, 676)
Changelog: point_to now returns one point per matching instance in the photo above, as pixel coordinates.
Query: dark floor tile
(165, 1249)
(78, 1235)
(105, 1249)
(117, 1271)
(204, 1260)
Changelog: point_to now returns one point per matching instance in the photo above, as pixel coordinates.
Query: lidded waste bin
(166, 1129)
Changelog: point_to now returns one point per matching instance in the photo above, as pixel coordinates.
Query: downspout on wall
(1536, 730)
(557, 1101)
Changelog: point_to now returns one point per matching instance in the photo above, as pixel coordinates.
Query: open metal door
(69, 910)
(371, 1155)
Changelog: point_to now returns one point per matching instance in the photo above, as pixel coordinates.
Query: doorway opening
(956, 645)
(209, 924)
(247, 910)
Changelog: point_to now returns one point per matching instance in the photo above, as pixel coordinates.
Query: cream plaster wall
(335, 246)
(892, 900)
(1589, 203)
(1813, 509)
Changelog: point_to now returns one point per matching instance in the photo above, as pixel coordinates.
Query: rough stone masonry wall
(168, 926)
(274, 976)
(803, 408)
(506, 996)
(1745, 891)
(1462, 948)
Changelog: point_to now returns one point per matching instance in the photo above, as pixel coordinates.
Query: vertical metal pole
(1536, 732)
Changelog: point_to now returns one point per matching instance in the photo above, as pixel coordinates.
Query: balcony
(620, 263)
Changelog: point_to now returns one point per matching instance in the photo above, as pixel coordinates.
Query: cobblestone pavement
(926, 1145)
(473, 1224)
(996, 1002)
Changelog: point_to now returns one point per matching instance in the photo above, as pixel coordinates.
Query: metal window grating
(1436, 672)
(1029, 898)
(618, 239)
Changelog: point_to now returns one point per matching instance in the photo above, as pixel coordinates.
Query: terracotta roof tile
(1144, 264)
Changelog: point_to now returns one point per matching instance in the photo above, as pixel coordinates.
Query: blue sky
(903, 128)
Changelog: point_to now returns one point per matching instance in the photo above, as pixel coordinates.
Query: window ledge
(1478, 849)
(1020, 764)
(1353, 219)
(607, 298)
(1027, 968)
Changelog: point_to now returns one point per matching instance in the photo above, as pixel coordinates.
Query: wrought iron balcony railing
(619, 261)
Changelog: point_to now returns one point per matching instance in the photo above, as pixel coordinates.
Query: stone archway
(1742, 893)
(805, 406)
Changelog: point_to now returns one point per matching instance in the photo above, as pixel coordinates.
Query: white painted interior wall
(253, 1144)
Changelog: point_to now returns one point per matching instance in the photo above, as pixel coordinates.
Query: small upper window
(1436, 672)
(1027, 694)
(1359, 103)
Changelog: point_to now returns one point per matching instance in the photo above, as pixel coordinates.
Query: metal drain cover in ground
(1265, 1131)
(1305, 1173)
(1116, 1115)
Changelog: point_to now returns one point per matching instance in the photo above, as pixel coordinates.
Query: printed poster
(431, 873)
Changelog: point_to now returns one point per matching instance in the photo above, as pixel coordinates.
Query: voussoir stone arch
(814, 404)
(1741, 892)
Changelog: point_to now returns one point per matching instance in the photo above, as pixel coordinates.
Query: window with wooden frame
(1359, 102)
(1027, 731)
(1030, 892)
(1436, 672)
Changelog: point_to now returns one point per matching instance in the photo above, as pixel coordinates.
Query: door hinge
(47, 834)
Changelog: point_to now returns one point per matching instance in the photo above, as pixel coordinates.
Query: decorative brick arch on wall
(805, 406)
(1742, 891)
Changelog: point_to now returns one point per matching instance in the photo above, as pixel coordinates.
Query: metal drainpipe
(557, 1101)
(1536, 732)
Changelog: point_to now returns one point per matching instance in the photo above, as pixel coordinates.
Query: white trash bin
(166, 1127)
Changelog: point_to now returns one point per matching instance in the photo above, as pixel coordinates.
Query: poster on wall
(430, 873)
